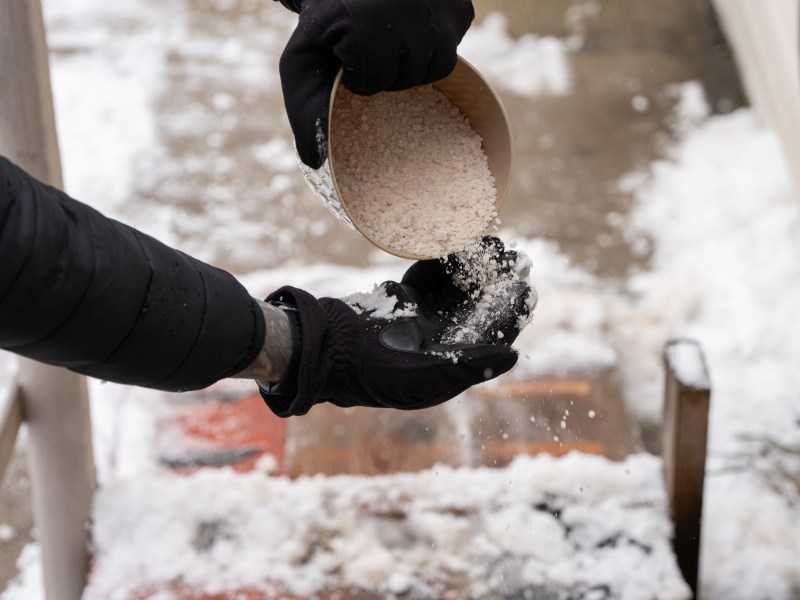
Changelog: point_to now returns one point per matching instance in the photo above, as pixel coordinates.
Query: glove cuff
(280, 396)
(300, 388)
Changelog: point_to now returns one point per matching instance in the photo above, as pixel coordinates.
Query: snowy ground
(718, 213)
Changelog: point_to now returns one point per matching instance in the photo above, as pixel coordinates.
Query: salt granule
(411, 170)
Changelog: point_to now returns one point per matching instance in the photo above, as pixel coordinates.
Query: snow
(379, 304)
(686, 359)
(29, 584)
(7, 532)
(722, 219)
(540, 520)
(103, 131)
(726, 273)
(529, 65)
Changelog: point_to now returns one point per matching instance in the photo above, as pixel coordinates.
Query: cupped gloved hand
(405, 345)
(382, 45)
(481, 295)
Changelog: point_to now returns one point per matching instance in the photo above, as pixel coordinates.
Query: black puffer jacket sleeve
(88, 293)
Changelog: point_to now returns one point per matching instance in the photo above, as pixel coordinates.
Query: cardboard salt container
(474, 96)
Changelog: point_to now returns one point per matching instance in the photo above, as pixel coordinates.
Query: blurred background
(655, 190)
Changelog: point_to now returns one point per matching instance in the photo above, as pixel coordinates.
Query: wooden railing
(53, 403)
(10, 421)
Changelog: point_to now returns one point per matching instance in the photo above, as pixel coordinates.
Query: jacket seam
(15, 199)
(197, 336)
(139, 313)
(78, 305)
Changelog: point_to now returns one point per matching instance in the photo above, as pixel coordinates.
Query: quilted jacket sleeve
(85, 292)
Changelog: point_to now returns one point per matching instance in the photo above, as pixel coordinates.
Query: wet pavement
(222, 153)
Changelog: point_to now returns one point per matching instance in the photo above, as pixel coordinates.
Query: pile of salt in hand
(502, 299)
(412, 170)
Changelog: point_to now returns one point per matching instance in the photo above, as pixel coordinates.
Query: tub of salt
(421, 173)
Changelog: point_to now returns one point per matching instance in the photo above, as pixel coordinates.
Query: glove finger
(509, 313)
(441, 64)
(461, 13)
(456, 372)
(395, 44)
(426, 275)
(307, 75)
(374, 79)
(450, 30)
(414, 66)
(488, 247)
(482, 362)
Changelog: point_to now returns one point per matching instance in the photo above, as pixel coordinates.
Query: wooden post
(686, 404)
(55, 402)
(10, 422)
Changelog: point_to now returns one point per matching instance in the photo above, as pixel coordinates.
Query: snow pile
(726, 272)
(103, 85)
(29, 584)
(569, 525)
(572, 317)
(723, 221)
(528, 66)
(686, 358)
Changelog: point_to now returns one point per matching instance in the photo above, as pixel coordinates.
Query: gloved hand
(382, 45)
(481, 295)
(390, 348)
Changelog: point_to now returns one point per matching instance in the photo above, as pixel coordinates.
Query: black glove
(382, 45)
(364, 356)
(480, 295)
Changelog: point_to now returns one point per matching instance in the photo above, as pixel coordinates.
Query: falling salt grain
(7, 533)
